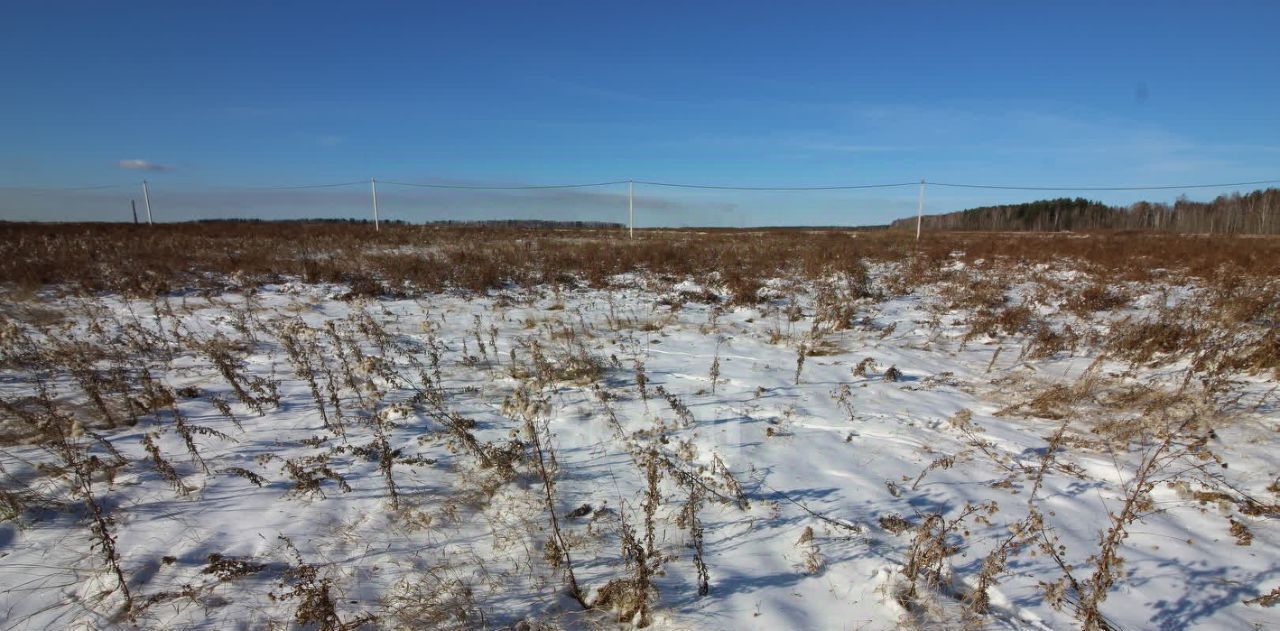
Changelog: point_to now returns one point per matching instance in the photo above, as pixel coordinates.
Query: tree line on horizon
(1257, 212)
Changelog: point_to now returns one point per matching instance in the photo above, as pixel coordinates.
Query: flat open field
(246, 426)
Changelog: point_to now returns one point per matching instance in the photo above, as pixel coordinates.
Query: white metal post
(373, 189)
(631, 209)
(146, 201)
(920, 210)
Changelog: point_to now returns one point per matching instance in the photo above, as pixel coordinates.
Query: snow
(797, 451)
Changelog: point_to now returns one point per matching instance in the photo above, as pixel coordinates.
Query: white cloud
(142, 165)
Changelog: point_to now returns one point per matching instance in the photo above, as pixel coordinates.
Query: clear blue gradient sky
(213, 97)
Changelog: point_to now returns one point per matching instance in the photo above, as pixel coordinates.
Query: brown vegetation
(146, 261)
(361, 378)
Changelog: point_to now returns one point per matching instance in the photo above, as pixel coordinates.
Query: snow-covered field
(842, 461)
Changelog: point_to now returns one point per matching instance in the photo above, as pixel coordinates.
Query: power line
(839, 187)
(48, 188)
(504, 188)
(774, 188)
(283, 188)
(1103, 188)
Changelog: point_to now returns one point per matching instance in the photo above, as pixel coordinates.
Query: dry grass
(360, 378)
(140, 260)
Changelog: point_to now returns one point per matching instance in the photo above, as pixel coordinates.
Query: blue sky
(219, 97)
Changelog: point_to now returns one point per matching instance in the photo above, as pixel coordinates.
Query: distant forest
(1255, 213)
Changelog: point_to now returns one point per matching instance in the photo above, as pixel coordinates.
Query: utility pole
(373, 189)
(146, 202)
(133, 204)
(920, 210)
(631, 209)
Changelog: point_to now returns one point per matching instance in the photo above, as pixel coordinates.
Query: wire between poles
(283, 188)
(71, 188)
(775, 188)
(505, 188)
(692, 186)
